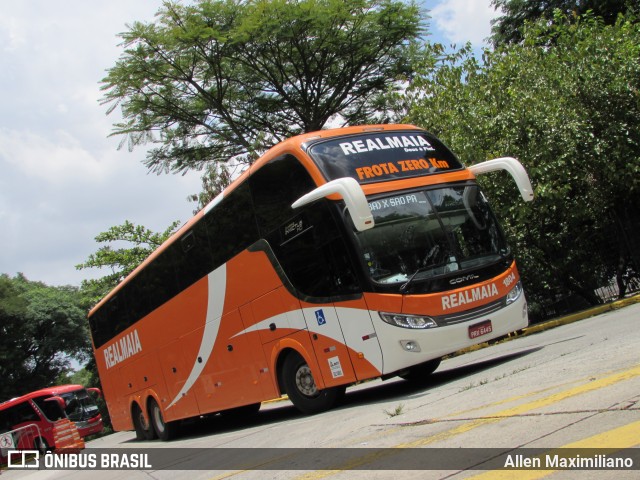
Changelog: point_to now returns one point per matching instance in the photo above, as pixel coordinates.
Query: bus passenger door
(360, 338)
(329, 344)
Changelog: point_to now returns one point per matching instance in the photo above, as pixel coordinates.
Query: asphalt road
(574, 386)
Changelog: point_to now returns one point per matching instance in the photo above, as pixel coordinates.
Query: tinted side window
(307, 242)
(5, 422)
(231, 225)
(193, 256)
(157, 283)
(51, 408)
(225, 231)
(275, 187)
(313, 255)
(20, 413)
(111, 319)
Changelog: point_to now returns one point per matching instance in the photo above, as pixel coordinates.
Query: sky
(63, 180)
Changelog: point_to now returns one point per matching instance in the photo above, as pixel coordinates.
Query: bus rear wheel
(144, 430)
(301, 388)
(164, 430)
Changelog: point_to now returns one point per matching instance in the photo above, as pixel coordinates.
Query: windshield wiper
(432, 253)
(406, 284)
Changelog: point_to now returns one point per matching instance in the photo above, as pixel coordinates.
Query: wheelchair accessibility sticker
(320, 317)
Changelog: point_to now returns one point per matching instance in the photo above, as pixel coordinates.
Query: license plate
(480, 329)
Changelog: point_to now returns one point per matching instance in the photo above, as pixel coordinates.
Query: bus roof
(296, 143)
(56, 390)
(293, 144)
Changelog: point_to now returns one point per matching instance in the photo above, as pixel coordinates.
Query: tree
(571, 113)
(137, 243)
(216, 177)
(509, 27)
(140, 243)
(41, 329)
(224, 79)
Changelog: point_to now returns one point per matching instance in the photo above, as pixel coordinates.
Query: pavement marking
(527, 407)
(452, 417)
(591, 386)
(623, 437)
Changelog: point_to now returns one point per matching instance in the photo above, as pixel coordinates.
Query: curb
(574, 317)
(549, 324)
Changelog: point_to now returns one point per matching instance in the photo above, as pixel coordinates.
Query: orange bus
(33, 416)
(338, 256)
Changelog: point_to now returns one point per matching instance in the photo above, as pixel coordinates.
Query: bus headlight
(408, 321)
(514, 294)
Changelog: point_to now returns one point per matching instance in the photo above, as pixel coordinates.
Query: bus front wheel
(41, 445)
(144, 430)
(421, 372)
(301, 388)
(164, 430)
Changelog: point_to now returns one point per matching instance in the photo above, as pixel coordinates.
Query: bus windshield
(424, 234)
(79, 405)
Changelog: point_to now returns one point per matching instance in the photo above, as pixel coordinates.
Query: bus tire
(164, 430)
(41, 445)
(143, 428)
(421, 372)
(300, 386)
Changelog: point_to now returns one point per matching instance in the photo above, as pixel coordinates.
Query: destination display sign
(383, 156)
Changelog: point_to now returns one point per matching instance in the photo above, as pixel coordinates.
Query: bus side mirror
(511, 165)
(95, 391)
(59, 400)
(349, 189)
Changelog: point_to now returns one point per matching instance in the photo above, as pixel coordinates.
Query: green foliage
(222, 79)
(509, 27)
(78, 377)
(571, 113)
(41, 329)
(140, 243)
(216, 177)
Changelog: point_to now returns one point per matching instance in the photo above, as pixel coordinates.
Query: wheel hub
(305, 383)
(158, 419)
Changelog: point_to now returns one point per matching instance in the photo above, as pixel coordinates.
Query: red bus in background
(33, 415)
(338, 256)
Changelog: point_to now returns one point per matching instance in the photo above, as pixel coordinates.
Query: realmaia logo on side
(122, 349)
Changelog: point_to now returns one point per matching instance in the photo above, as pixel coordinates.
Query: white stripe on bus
(217, 286)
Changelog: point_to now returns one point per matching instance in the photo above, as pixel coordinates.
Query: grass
(397, 411)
